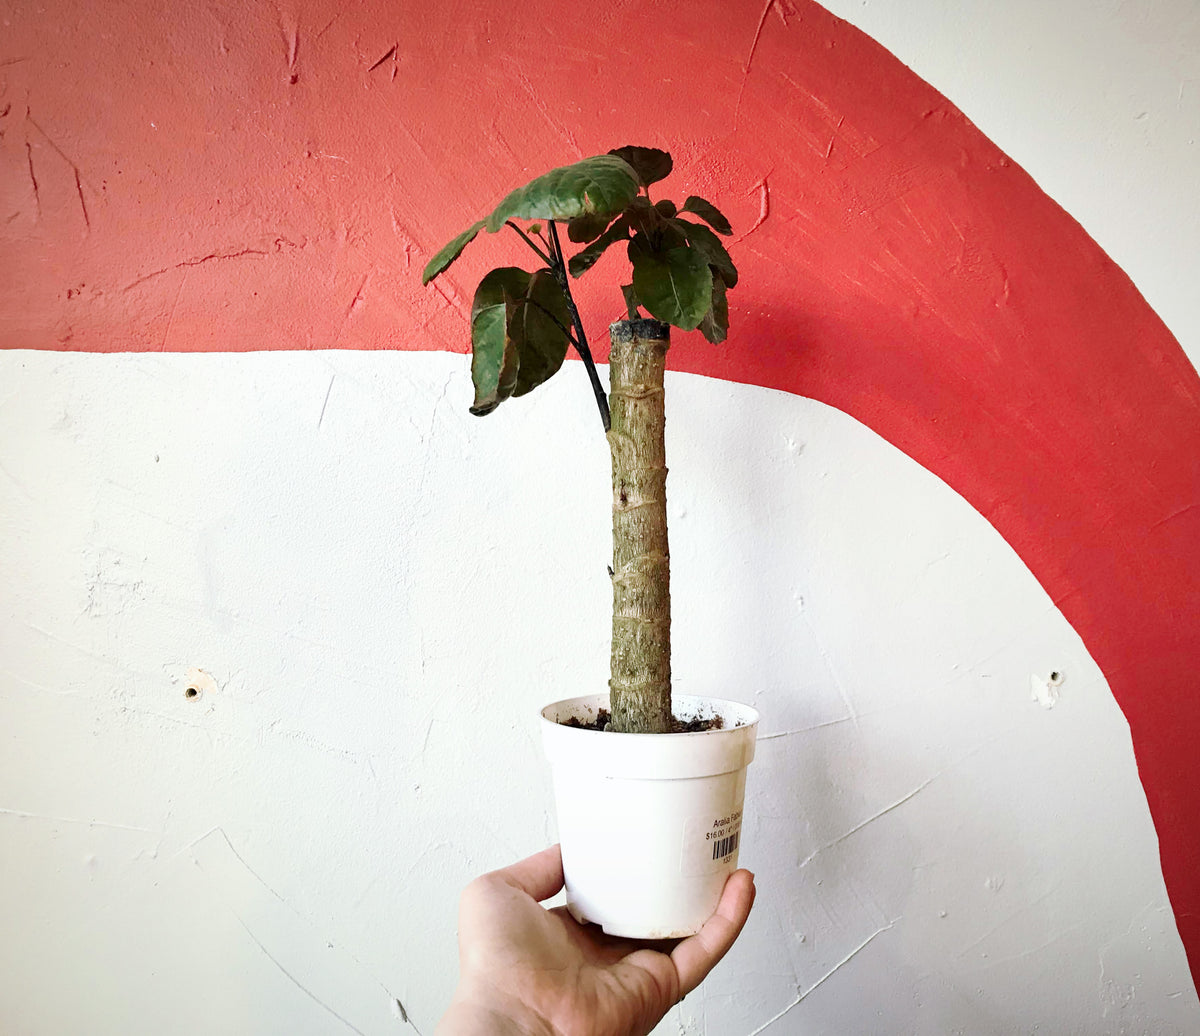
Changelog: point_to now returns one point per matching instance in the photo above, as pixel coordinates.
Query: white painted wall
(1098, 100)
(383, 590)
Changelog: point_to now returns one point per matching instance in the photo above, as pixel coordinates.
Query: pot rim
(699, 704)
(604, 753)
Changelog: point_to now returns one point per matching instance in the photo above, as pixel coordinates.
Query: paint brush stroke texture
(238, 179)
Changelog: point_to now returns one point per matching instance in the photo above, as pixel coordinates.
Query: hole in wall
(197, 684)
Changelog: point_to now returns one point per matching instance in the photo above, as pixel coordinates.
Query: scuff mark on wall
(16, 483)
(73, 820)
(295, 981)
(449, 293)
(804, 994)
(276, 247)
(781, 8)
(401, 1012)
(1025, 908)
(66, 158)
(389, 54)
(37, 197)
(82, 204)
(871, 819)
(329, 24)
(356, 301)
(114, 582)
(543, 108)
(325, 402)
(764, 206)
(328, 975)
(805, 730)
(174, 309)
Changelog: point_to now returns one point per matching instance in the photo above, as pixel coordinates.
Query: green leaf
(709, 245)
(583, 261)
(642, 216)
(539, 327)
(674, 285)
(631, 300)
(588, 227)
(495, 357)
(647, 219)
(602, 184)
(450, 252)
(715, 325)
(665, 208)
(709, 213)
(649, 163)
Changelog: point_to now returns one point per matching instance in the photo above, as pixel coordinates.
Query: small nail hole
(192, 692)
(1056, 677)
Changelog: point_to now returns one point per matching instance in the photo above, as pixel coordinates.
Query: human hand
(535, 972)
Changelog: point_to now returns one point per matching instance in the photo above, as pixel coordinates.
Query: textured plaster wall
(372, 592)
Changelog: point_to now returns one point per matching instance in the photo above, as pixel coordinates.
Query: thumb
(695, 957)
(539, 876)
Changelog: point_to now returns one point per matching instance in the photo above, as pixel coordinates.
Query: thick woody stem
(640, 682)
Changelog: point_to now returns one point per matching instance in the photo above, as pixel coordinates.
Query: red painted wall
(238, 178)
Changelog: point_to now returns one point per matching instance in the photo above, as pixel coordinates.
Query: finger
(539, 876)
(596, 944)
(695, 957)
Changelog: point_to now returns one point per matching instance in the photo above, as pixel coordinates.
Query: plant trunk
(640, 684)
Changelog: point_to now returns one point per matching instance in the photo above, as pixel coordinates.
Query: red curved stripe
(916, 279)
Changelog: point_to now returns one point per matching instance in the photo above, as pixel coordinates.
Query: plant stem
(558, 323)
(559, 267)
(640, 668)
(529, 241)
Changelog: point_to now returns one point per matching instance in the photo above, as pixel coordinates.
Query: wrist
(463, 1019)
(472, 1014)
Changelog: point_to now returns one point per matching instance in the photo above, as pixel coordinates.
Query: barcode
(725, 846)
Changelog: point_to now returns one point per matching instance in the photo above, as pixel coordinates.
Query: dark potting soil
(691, 726)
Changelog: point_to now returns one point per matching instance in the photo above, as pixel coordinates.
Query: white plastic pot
(650, 824)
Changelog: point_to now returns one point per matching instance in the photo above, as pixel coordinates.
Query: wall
(945, 454)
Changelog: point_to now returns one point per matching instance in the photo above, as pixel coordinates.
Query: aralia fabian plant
(523, 322)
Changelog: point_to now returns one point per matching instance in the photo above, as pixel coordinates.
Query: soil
(692, 726)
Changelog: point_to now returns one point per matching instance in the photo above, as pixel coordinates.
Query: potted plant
(649, 825)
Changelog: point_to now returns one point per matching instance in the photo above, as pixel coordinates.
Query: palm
(574, 978)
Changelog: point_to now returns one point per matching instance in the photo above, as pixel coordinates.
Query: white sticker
(710, 843)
